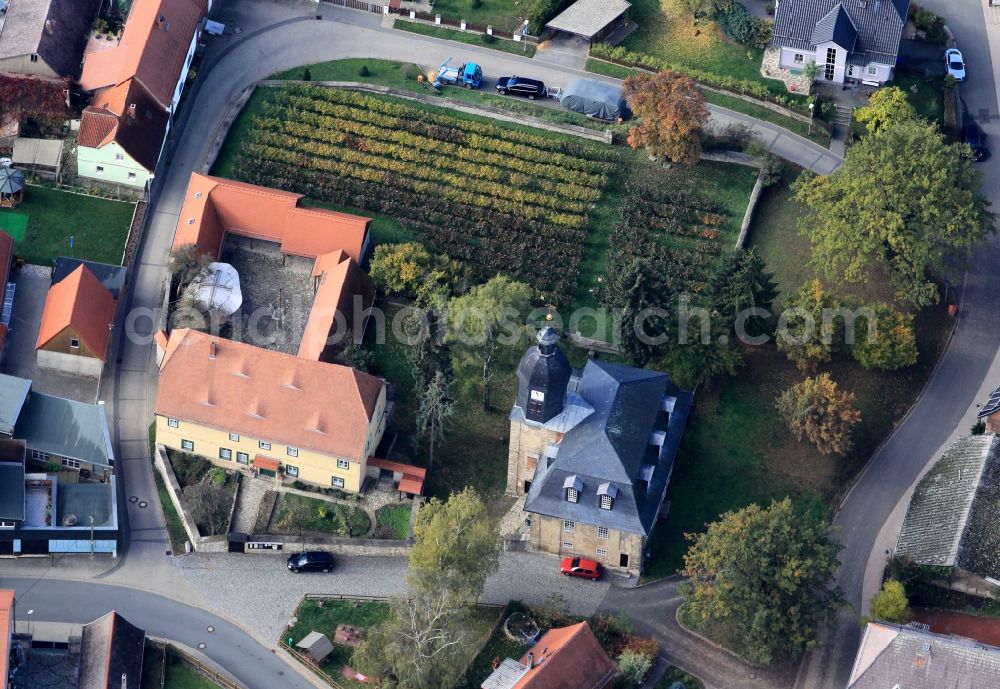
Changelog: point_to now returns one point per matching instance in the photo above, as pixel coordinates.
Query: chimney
(50, 26)
(531, 660)
(131, 111)
(211, 350)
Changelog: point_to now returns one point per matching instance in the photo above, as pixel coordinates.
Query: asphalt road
(868, 518)
(227, 645)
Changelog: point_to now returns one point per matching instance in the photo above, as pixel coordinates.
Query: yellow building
(242, 406)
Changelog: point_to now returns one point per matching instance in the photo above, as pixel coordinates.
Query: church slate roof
(612, 446)
(877, 24)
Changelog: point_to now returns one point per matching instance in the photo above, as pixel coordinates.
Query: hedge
(757, 89)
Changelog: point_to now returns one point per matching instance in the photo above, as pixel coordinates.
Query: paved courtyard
(19, 357)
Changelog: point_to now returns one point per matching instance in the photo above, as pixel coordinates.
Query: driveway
(19, 358)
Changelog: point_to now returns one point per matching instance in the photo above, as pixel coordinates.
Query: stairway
(842, 121)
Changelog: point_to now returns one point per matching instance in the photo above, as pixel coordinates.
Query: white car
(954, 63)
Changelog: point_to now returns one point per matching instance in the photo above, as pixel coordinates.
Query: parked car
(955, 63)
(310, 561)
(974, 135)
(578, 567)
(519, 86)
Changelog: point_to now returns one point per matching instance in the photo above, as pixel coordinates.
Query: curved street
(281, 36)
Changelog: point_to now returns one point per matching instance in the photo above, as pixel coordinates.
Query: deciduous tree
(819, 411)
(671, 112)
(891, 604)
(485, 329)
(886, 106)
(186, 263)
(410, 270)
(766, 576)
(885, 339)
(810, 332)
(903, 199)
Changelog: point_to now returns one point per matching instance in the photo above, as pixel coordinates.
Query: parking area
(19, 358)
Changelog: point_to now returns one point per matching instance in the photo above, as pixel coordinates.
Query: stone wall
(526, 441)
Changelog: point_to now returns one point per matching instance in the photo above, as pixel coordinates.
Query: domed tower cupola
(542, 378)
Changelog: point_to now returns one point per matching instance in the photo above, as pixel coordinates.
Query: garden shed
(316, 645)
(595, 99)
(11, 186)
(589, 19)
(41, 156)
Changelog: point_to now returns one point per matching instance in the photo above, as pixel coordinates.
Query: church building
(592, 450)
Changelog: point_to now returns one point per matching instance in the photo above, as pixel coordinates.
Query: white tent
(218, 288)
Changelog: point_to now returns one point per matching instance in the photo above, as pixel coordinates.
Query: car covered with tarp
(595, 99)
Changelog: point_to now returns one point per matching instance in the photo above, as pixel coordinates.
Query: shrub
(217, 476)
(633, 667)
(891, 604)
(541, 11)
(886, 340)
(307, 75)
(978, 428)
(931, 24)
(363, 71)
(741, 26)
(488, 39)
(818, 410)
(647, 647)
(412, 72)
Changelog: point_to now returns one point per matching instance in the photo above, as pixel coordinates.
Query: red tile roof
(82, 303)
(152, 49)
(214, 206)
(412, 480)
(128, 115)
(568, 658)
(343, 289)
(264, 394)
(266, 463)
(6, 613)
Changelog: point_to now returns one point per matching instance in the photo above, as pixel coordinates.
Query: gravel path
(248, 503)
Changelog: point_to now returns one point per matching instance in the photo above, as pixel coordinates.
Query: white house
(847, 39)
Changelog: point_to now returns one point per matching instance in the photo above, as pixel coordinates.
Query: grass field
(99, 226)
(470, 37)
(926, 95)
(396, 519)
(178, 674)
(667, 31)
(736, 450)
(501, 14)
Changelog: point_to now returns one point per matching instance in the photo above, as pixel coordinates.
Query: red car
(578, 567)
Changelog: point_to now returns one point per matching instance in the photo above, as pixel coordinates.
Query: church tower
(542, 379)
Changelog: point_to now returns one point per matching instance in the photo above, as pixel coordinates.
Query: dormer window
(536, 401)
(606, 493)
(573, 485)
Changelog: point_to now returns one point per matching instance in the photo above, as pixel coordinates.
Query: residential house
(953, 519)
(137, 86)
(55, 430)
(907, 657)
(111, 654)
(236, 404)
(44, 38)
(76, 322)
(990, 412)
(215, 208)
(44, 512)
(592, 452)
(7, 286)
(563, 658)
(846, 39)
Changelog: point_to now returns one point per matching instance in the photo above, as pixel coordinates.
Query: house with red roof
(136, 87)
(564, 658)
(76, 324)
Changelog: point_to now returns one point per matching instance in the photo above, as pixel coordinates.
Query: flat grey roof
(43, 152)
(587, 17)
(65, 427)
(82, 500)
(13, 393)
(11, 491)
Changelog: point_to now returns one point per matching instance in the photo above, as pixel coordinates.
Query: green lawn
(396, 519)
(926, 95)
(501, 14)
(14, 223)
(736, 451)
(299, 513)
(667, 31)
(99, 226)
(179, 675)
(175, 529)
(470, 37)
